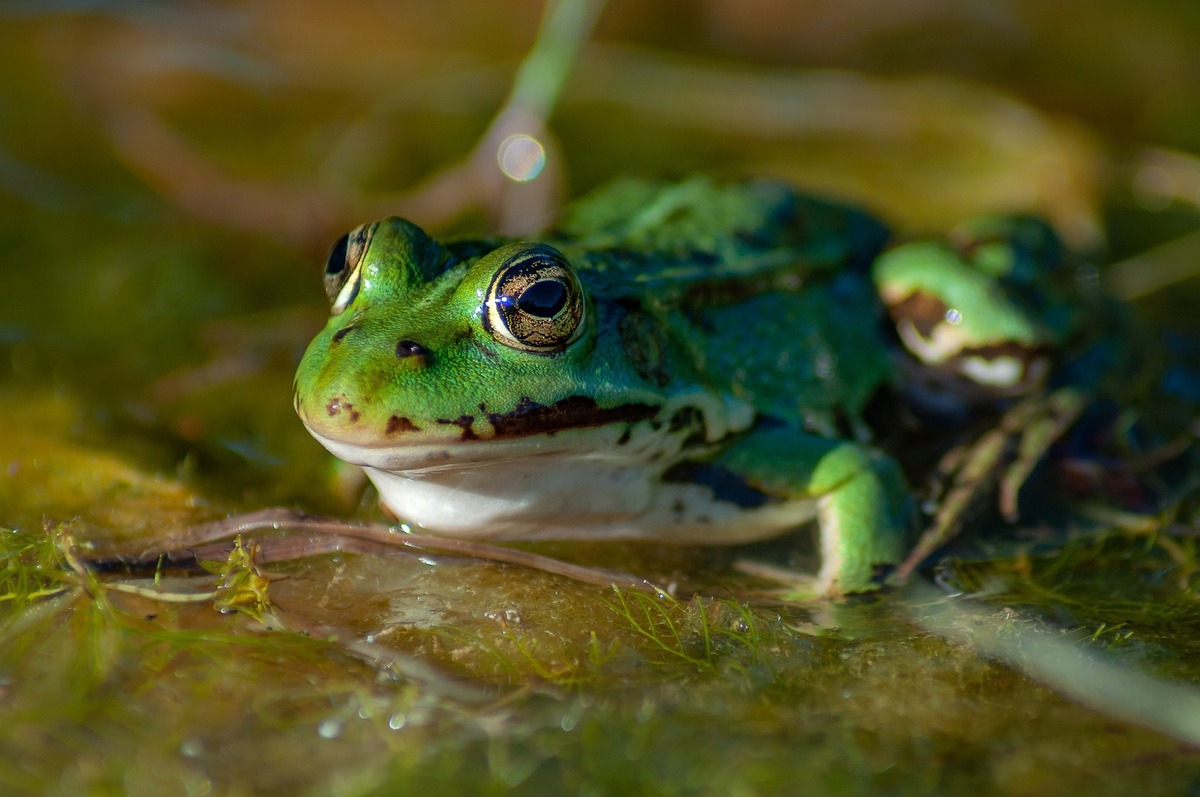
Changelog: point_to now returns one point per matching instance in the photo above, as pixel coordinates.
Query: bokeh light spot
(522, 157)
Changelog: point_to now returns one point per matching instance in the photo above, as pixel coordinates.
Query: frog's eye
(343, 267)
(535, 302)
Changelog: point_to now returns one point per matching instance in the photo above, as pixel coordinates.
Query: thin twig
(326, 535)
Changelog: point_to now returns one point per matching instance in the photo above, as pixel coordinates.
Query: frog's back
(696, 237)
(768, 290)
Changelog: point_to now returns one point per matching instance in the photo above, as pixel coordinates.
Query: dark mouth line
(573, 412)
(530, 418)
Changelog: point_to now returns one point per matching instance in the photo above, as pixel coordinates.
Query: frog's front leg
(862, 505)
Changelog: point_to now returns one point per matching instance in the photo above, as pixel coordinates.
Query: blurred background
(165, 168)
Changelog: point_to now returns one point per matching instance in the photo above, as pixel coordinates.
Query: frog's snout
(412, 353)
(345, 389)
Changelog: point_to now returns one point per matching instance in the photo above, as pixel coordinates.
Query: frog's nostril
(410, 348)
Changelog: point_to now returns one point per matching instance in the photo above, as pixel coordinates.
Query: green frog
(687, 362)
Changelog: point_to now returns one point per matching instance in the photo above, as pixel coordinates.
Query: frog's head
(433, 351)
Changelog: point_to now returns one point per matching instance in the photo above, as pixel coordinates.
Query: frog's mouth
(574, 424)
(416, 458)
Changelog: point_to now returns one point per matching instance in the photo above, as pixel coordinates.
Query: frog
(691, 362)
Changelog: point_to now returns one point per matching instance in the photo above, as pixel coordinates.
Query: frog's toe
(797, 587)
(994, 467)
(1054, 415)
(791, 586)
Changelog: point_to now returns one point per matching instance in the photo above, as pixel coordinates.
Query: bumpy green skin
(741, 320)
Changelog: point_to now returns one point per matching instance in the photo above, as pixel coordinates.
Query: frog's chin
(581, 498)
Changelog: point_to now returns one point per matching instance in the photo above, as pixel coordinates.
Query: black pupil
(543, 298)
(336, 263)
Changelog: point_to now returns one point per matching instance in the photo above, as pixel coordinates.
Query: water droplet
(953, 317)
(504, 616)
